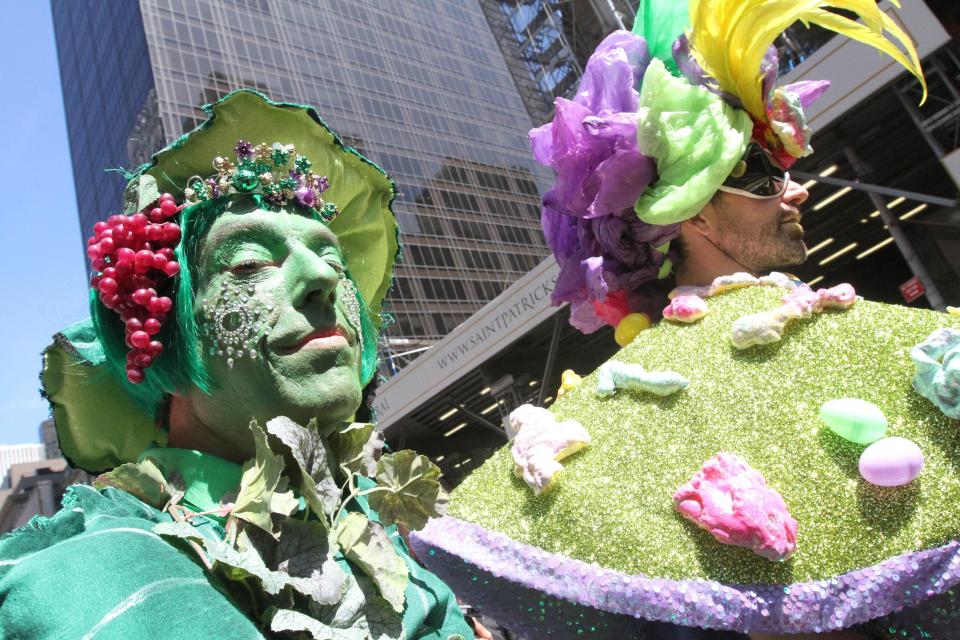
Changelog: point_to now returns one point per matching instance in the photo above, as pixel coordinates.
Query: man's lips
(330, 338)
(791, 216)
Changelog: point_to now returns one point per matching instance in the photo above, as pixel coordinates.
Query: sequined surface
(612, 504)
(459, 552)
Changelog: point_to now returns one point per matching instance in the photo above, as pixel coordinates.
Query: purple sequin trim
(822, 605)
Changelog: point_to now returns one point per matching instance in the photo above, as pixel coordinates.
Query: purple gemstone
(244, 150)
(322, 184)
(306, 196)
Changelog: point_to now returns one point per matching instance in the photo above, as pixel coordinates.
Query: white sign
(505, 319)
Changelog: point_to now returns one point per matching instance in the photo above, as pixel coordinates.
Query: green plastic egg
(854, 419)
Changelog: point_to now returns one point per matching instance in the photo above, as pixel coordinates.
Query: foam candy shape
(801, 302)
(842, 296)
(614, 375)
(731, 500)
(688, 290)
(686, 309)
(777, 279)
(856, 420)
(760, 328)
(569, 380)
(891, 462)
(630, 327)
(937, 364)
(541, 442)
(733, 281)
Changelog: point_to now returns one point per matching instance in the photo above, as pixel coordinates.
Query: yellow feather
(730, 37)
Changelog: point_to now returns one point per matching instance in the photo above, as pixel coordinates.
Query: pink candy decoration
(803, 300)
(841, 296)
(685, 308)
(732, 501)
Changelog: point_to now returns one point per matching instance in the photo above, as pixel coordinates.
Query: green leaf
(361, 615)
(313, 461)
(258, 482)
(237, 564)
(366, 544)
(408, 490)
(284, 503)
(357, 447)
(142, 480)
(181, 530)
(306, 555)
(140, 193)
(290, 620)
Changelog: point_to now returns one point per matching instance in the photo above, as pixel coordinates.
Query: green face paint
(276, 327)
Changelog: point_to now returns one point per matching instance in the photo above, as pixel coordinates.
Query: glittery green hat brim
(366, 227)
(696, 139)
(99, 425)
(613, 503)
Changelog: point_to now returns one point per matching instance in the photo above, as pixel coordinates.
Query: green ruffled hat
(102, 420)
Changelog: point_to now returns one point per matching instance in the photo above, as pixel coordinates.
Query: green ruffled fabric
(696, 139)
(660, 23)
(99, 424)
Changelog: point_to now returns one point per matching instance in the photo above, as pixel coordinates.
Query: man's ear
(700, 224)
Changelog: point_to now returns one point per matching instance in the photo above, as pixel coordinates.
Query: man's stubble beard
(772, 247)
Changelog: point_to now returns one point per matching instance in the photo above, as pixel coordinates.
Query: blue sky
(42, 288)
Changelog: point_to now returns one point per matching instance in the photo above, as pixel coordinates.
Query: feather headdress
(732, 42)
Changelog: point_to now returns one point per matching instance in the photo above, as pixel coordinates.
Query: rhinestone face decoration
(235, 323)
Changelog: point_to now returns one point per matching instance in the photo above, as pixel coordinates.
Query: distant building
(34, 479)
(11, 454)
(48, 436)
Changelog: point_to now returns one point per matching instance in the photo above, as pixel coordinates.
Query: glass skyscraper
(420, 87)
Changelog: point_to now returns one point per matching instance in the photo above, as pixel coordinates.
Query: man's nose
(795, 194)
(310, 278)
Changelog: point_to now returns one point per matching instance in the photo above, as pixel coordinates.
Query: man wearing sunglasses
(751, 224)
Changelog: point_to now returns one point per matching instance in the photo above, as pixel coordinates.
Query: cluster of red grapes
(131, 256)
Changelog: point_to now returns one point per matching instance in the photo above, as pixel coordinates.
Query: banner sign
(505, 319)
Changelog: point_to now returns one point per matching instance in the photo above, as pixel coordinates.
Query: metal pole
(481, 420)
(551, 359)
(875, 188)
(863, 170)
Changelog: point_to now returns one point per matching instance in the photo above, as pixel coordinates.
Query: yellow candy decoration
(954, 311)
(630, 327)
(569, 380)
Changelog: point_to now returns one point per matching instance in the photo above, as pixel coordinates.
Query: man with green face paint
(234, 319)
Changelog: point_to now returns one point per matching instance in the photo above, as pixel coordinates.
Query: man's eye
(336, 264)
(248, 266)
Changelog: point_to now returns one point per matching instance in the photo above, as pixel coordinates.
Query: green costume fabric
(696, 139)
(95, 569)
(75, 383)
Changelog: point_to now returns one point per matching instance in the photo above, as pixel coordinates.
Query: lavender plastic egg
(891, 462)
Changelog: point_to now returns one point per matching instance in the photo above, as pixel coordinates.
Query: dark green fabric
(95, 569)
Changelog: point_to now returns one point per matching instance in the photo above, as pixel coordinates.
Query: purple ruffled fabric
(606, 254)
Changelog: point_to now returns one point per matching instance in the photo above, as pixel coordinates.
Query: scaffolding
(546, 44)
(939, 121)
